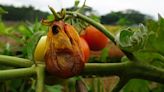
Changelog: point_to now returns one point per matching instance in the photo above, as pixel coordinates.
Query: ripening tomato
(85, 49)
(40, 49)
(115, 52)
(95, 39)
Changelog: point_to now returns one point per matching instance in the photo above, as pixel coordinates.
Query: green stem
(104, 68)
(129, 69)
(14, 61)
(147, 72)
(92, 22)
(40, 69)
(17, 73)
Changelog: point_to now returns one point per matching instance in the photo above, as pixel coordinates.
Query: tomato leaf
(104, 55)
(132, 40)
(2, 11)
(136, 85)
(76, 3)
(156, 42)
(55, 88)
(153, 52)
(146, 43)
(32, 42)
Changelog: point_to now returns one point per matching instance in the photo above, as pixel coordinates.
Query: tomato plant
(95, 39)
(143, 49)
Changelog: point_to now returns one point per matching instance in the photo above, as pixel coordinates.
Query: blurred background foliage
(126, 17)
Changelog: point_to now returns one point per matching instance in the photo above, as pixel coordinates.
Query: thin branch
(14, 61)
(17, 73)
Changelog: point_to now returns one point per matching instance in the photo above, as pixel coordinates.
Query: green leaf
(24, 30)
(153, 58)
(95, 17)
(153, 51)
(76, 3)
(136, 85)
(4, 30)
(31, 44)
(55, 88)
(132, 40)
(104, 55)
(156, 42)
(2, 11)
(50, 17)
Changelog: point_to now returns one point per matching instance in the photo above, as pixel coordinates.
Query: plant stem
(129, 69)
(104, 68)
(14, 61)
(40, 69)
(147, 72)
(17, 73)
(96, 24)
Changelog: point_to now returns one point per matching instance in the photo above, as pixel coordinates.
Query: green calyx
(57, 16)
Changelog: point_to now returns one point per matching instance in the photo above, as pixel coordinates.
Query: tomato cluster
(92, 39)
(63, 51)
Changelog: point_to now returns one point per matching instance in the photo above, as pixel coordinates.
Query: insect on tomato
(95, 39)
(85, 49)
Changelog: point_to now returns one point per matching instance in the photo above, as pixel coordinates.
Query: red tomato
(95, 39)
(85, 49)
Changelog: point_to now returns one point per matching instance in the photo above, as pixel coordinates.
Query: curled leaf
(132, 40)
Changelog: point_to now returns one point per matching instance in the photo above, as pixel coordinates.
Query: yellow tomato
(40, 49)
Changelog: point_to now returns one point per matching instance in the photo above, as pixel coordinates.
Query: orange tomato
(115, 52)
(95, 39)
(85, 49)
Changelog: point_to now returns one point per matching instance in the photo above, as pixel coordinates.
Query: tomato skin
(85, 49)
(115, 52)
(40, 52)
(40, 49)
(95, 39)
